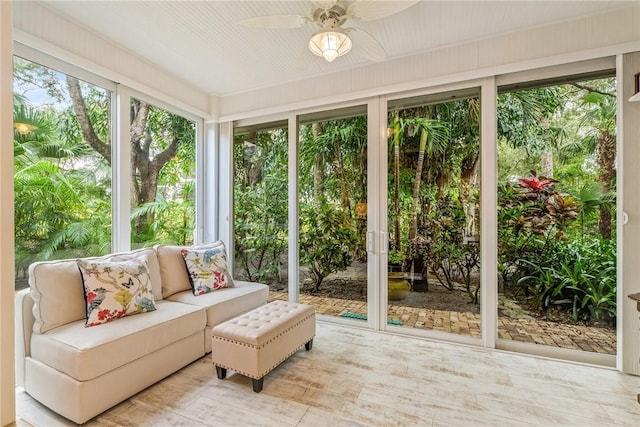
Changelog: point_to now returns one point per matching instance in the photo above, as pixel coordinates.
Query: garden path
(576, 337)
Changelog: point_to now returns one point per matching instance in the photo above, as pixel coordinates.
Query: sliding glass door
(433, 211)
(332, 206)
(556, 214)
(260, 188)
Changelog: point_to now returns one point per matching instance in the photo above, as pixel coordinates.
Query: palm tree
(599, 122)
(433, 142)
(397, 130)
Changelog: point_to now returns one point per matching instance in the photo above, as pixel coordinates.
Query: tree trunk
(342, 175)
(86, 127)
(547, 163)
(413, 227)
(145, 168)
(396, 178)
(469, 180)
(606, 176)
(318, 166)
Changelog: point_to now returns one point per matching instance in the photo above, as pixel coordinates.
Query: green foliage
(444, 231)
(581, 276)
(327, 240)
(63, 186)
(538, 261)
(418, 248)
(260, 201)
(395, 257)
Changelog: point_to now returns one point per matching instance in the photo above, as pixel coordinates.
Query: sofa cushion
(245, 295)
(207, 268)
(86, 353)
(57, 292)
(115, 289)
(152, 262)
(173, 271)
(58, 296)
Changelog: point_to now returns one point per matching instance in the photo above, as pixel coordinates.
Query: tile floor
(356, 377)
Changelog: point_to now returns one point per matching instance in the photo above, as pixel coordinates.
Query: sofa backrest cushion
(175, 277)
(58, 294)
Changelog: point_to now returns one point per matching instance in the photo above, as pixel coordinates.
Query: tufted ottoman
(256, 342)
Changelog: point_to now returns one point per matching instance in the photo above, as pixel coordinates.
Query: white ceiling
(200, 42)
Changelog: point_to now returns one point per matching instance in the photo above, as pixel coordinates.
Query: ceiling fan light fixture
(330, 43)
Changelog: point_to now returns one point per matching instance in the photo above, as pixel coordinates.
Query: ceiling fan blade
(324, 4)
(275, 21)
(366, 45)
(369, 10)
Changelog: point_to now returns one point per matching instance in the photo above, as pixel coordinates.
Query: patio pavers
(576, 337)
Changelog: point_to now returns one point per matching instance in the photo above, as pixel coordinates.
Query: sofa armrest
(24, 329)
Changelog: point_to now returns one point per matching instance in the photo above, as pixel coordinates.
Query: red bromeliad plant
(537, 188)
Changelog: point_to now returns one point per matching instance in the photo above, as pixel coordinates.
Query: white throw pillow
(115, 289)
(207, 268)
(175, 277)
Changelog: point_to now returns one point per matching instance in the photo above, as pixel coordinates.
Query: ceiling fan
(332, 40)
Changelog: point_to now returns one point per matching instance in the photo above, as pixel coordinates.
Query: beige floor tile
(355, 377)
(318, 418)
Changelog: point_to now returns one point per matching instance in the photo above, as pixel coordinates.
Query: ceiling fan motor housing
(337, 13)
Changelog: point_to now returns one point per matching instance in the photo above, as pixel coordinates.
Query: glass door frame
(488, 219)
(524, 79)
(374, 136)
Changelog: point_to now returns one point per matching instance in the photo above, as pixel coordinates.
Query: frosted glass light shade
(330, 43)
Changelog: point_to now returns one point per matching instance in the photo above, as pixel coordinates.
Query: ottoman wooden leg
(308, 345)
(257, 384)
(221, 372)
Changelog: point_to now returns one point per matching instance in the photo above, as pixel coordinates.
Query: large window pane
(163, 176)
(260, 156)
(62, 149)
(333, 211)
(433, 212)
(556, 233)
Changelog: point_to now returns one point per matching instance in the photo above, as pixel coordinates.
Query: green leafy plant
(327, 241)
(395, 257)
(445, 232)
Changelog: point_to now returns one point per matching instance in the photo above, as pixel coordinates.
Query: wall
(586, 38)
(7, 376)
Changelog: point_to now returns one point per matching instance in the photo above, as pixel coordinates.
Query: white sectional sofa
(80, 371)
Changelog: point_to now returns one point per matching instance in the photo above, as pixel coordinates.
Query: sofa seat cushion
(86, 353)
(245, 295)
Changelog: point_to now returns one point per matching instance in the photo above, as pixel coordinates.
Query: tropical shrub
(541, 264)
(327, 240)
(445, 232)
(532, 217)
(581, 276)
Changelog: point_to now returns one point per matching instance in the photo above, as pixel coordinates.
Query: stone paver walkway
(598, 340)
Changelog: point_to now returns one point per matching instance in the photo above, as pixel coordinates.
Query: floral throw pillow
(115, 289)
(207, 268)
